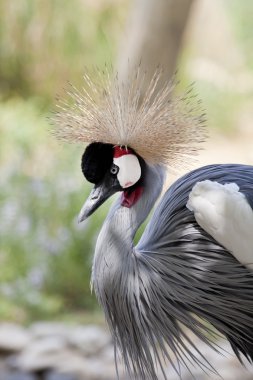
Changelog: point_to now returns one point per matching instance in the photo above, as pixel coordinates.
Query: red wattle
(129, 198)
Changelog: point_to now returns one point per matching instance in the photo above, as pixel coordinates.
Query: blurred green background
(45, 256)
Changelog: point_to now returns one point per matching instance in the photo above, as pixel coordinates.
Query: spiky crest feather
(161, 128)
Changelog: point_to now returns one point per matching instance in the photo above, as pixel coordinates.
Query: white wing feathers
(224, 212)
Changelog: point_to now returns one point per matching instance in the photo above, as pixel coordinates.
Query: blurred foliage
(44, 43)
(45, 255)
(223, 79)
(241, 13)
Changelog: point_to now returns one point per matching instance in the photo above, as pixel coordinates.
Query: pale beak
(99, 194)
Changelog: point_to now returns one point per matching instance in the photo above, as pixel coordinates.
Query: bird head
(127, 130)
(111, 169)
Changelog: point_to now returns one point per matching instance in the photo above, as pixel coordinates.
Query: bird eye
(114, 169)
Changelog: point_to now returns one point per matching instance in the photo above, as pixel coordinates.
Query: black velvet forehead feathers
(96, 161)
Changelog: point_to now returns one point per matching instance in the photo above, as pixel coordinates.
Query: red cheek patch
(129, 198)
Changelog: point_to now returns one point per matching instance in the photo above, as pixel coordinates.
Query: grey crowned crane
(192, 267)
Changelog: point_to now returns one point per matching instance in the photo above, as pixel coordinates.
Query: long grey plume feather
(176, 277)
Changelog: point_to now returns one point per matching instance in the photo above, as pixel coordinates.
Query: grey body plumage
(176, 276)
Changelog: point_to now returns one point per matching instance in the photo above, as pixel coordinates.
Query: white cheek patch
(129, 170)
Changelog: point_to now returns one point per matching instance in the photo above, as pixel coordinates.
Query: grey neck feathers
(115, 241)
(115, 272)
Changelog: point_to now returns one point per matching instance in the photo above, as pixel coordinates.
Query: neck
(115, 242)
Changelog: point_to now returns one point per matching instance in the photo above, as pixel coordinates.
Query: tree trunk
(153, 37)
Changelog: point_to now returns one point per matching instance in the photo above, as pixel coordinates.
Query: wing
(171, 219)
(193, 273)
(225, 213)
